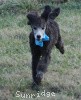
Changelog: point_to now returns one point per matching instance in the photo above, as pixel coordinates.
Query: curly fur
(41, 55)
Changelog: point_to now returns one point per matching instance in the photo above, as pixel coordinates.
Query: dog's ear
(32, 16)
(46, 12)
(54, 13)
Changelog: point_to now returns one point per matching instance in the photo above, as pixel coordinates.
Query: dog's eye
(35, 28)
(42, 28)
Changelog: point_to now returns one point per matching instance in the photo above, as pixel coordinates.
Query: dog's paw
(62, 50)
(39, 77)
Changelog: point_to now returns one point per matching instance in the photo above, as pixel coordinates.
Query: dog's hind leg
(60, 45)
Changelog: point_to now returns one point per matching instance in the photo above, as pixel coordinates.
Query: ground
(64, 72)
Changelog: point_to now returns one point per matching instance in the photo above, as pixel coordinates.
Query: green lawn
(64, 72)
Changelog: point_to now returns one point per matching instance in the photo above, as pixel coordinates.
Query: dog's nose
(38, 36)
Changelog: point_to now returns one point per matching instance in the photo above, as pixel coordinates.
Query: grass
(64, 72)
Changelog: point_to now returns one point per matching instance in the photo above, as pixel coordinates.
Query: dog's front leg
(42, 66)
(35, 60)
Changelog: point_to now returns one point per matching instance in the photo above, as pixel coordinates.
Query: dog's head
(38, 23)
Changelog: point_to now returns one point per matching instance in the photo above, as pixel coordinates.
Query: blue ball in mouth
(39, 42)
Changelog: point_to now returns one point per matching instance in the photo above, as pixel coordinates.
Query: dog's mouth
(39, 39)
